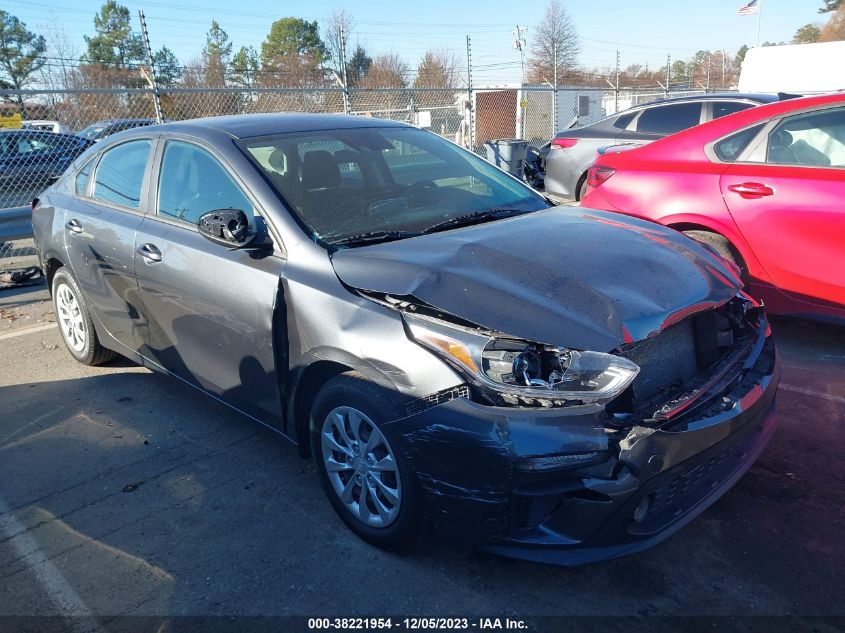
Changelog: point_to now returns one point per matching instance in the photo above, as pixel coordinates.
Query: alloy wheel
(71, 321)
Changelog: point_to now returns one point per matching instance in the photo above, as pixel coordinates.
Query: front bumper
(648, 482)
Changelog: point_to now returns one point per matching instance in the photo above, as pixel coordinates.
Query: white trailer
(797, 68)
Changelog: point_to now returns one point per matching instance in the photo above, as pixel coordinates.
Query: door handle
(752, 190)
(149, 252)
(73, 226)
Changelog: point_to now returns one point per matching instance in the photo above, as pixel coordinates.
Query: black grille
(521, 511)
(666, 360)
(671, 495)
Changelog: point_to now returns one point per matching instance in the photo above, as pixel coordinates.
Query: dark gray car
(101, 129)
(560, 385)
(567, 156)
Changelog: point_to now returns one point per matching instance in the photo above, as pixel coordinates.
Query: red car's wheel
(723, 246)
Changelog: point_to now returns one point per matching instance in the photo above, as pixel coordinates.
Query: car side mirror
(227, 227)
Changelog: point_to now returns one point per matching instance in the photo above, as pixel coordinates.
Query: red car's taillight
(597, 174)
(563, 143)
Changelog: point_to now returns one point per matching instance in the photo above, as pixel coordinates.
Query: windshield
(92, 131)
(390, 182)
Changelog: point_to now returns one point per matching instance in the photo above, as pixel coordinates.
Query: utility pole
(668, 74)
(470, 117)
(519, 44)
(554, 93)
(707, 85)
(616, 86)
(152, 75)
(345, 85)
(724, 66)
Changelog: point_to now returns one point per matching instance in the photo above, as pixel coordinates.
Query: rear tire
(723, 246)
(582, 188)
(357, 464)
(74, 321)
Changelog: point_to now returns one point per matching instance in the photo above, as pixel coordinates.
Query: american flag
(749, 9)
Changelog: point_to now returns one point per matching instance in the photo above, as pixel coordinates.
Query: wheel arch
(578, 184)
(51, 265)
(692, 222)
(307, 383)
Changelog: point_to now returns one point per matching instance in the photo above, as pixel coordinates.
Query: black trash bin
(508, 154)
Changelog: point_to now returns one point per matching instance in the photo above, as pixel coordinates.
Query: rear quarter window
(623, 121)
(729, 149)
(83, 176)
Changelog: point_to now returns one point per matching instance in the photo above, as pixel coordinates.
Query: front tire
(367, 481)
(75, 323)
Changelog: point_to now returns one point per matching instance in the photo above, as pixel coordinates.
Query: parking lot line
(59, 590)
(28, 330)
(810, 392)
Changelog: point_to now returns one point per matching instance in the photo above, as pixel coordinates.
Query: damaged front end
(570, 456)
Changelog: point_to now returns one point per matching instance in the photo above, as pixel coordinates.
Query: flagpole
(759, 19)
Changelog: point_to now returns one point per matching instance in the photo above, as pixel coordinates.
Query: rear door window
(669, 119)
(816, 139)
(724, 108)
(120, 174)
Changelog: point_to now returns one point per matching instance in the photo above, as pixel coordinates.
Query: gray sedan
(568, 155)
(561, 385)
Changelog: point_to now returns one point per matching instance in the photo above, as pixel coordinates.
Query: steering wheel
(421, 185)
(417, 190)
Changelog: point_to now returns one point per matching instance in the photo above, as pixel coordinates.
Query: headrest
(319, 170)
(782, 138)
(278, 160)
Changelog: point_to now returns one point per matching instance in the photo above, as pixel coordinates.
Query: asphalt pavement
(124, 492)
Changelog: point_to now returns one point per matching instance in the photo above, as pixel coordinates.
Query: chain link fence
(60, 124)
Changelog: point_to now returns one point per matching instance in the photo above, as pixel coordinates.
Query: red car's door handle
(752, 190)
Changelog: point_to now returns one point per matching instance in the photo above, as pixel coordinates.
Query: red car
(765, 187)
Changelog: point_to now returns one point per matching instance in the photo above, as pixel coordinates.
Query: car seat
(780, 148)
(322, 192)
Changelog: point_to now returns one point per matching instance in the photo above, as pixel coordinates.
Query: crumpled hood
(564, 276)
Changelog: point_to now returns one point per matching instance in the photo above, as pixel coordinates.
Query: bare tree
(555, 40)
(386, 71)
(63, 56)
(438, 69)
(340, 22)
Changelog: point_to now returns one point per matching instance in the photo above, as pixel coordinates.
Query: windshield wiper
(375, 236)
(476, 217)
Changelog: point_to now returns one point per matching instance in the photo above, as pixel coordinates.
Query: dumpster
(508, 154)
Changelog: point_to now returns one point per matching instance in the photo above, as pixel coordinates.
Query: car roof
(114, 121)
(32, 132)
(762, 97)
(244, 126)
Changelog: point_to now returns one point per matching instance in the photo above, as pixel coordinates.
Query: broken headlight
(521, 372)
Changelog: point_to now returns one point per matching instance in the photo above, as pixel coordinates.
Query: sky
(644, 31)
